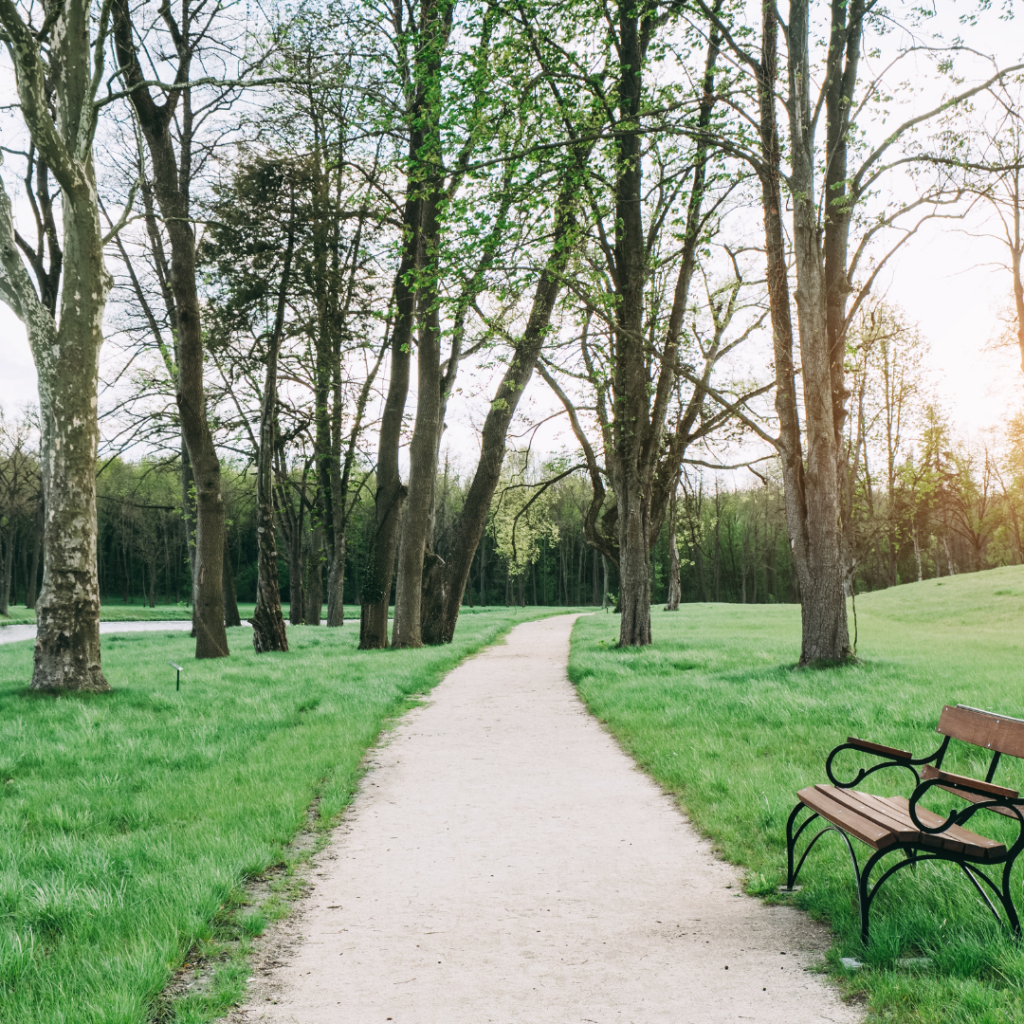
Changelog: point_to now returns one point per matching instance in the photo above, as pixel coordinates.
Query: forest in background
(310, 240)
(924, 503)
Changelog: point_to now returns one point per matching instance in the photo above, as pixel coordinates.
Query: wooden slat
(983, 729)
(877, 806)
(878, 748)
(931, 772)
(875, 809)
(818, 798)
(882, 821)
(974, 845)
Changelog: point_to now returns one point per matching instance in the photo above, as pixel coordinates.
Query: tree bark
(7, 570)
(171, 186)
(674, 592)
(268, 630)
(823, 581)
(231, 615)
(375, 590)
(67, 649)
(314, 589)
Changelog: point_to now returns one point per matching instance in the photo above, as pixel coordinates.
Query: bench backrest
(997, 733)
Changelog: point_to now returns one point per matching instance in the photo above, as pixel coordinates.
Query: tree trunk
(416, 534)
(268, 630)
(444, 590)
(375, 588)
(314, 588)
(823, 585)
(231, 615)
(32, 578)
(297, 574)
(7, 571)
(422, 472)
(67, 648)
(336, 581)
(811, 492)
(171, 190)
(188, 520)
(674, 593)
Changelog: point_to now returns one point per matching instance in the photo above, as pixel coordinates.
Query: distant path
(506, 863)
(9, 634)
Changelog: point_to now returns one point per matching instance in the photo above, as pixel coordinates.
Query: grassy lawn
(714, 712)
(130, 820)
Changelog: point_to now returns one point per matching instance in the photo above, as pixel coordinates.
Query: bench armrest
(893, 757)
(878, 748)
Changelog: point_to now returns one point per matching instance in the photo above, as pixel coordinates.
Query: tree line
(285, 222)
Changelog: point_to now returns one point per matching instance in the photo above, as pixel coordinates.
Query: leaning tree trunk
(375, 589)
(444, 585)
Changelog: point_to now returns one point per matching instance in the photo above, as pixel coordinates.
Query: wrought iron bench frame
(962, 723)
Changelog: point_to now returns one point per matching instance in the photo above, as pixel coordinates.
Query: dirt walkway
(506, 862)
(27, 631)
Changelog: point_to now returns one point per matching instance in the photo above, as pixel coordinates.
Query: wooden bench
(901, 825)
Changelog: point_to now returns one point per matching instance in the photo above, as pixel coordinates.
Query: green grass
(715, 713)
(130, 821)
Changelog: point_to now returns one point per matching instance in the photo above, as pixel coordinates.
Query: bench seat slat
(845, 817)
(882, 821)
(898, 820)
(974, 844)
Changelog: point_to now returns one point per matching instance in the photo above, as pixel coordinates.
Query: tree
(58, 69)
(265, 189)
(172, 182)
(826, 195)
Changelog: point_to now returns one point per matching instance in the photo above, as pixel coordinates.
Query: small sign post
(175, 665)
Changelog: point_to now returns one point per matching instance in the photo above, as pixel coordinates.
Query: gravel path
(506, 862)
(9, 634)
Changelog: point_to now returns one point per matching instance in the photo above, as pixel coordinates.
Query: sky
(947, 281)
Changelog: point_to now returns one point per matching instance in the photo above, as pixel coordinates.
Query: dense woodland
(947, 507)
(266, 257)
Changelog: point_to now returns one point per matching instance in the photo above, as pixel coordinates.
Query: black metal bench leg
(791, 844)
(863, 897)
(1006, 898)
